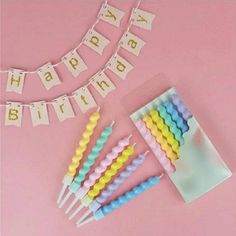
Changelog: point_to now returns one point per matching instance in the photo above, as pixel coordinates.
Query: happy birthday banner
(76, 65)
(72, 60)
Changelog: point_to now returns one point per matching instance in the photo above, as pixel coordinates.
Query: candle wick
(112, 123)
(145, 153)
(130, 136)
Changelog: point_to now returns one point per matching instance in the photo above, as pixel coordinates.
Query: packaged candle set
(177, 140)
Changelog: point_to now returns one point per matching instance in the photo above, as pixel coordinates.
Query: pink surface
(192, 43)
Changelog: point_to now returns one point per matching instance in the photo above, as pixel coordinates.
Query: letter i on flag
(39, 113)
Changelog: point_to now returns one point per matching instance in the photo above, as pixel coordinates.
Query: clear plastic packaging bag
(177, 140)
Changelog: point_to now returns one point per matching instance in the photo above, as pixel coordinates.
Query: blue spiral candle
(121, 200)
(180, 122)
(114, 185)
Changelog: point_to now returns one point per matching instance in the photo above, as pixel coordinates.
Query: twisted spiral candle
(180, 122)
(93, 120)
(120, 179)
(155, 146)
(181, 107)
(110, 172)
(171, 124)
(89, 130)
(99, 170)
(92, 156)
(165, 130)
(106, 193)
(106, 162)
(125, 198)
(97, 188)
(159, 138)
(75, 185)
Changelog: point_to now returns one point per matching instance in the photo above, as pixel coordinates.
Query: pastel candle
(106, 177)
(99, 170)
(121, 200)
(86, 136)
(75, 185)
(171, 124)
(155, 147)
(180, 122)
(159, 138)
(106, 193)
(165, 130)
(176, 100)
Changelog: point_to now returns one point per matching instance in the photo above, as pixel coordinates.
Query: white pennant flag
(120, 66)
(63, 108)
(15, 82)
(111, 14)
(39, 113)
(132, 43)
(96, 41)
(84, 99)
(74, 63)
(48, 76)
(143, 19)
(13, 115)
(102, 84)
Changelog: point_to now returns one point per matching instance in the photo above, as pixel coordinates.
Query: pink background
(192, 43)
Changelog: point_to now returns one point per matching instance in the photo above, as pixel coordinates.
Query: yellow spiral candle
(93, 120)
(68, 178)
(110, 172)
(159, 138)
(158, 120)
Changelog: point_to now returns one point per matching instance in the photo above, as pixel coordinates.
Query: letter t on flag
(84, 99)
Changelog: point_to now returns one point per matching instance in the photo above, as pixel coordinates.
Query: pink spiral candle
(156, 148)
(99, 171)
(106, 162)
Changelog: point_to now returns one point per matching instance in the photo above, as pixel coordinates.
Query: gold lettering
(83, 98)
(39, 115)
(109, 14)
(17, 81)
(13, 114)
(120, 66)
(141, 18)
(132, 43)
(95, 41)
(74, 63)
(61, 107)
(100, 84)
(48, 76)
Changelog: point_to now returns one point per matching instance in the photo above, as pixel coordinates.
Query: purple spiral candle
(106, 162)
(120, 179)
(155, 146)
(182, 109)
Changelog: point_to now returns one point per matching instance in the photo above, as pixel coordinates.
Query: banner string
(130, 22)
(105, 2)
